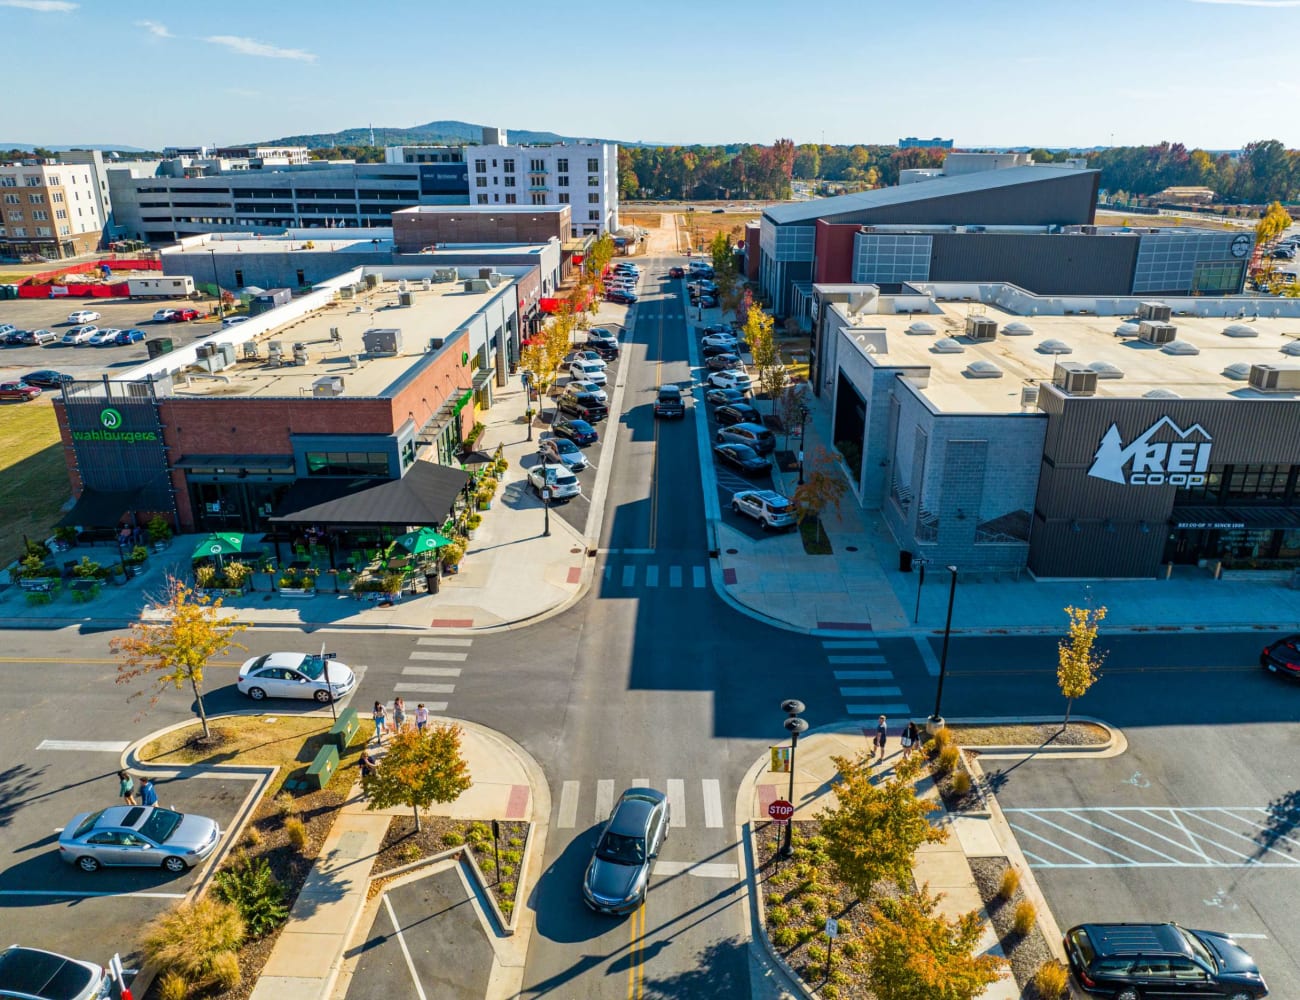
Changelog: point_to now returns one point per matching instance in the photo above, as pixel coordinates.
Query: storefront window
(1258, 482)
(1207, 492)
(347, 463)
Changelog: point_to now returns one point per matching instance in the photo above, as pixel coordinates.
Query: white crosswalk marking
(701, 869)
(442, 640)
(431, 671)
(712, 802)
(674, 576)
(850, 644)
(439, 655)
(847, 660)
(629, 575)
(424, 688)
(652, 576)
(874, 709)
(95, 746)
(568, 816)
(697, 576)
(604, 799)
(641, 783)
(871, 692)
(864, 675)
(677, 801)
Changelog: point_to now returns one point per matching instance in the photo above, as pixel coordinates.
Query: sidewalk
(315, 954)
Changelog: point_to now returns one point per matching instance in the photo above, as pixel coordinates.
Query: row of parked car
(620, 283)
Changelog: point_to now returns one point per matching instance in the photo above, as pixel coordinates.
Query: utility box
(327, 386)
(382, 343)
(269, 300)
(179, 286)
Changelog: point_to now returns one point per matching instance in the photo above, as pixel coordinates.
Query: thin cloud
(252, 47)
(1251, 3)
(155, 29)
(44, 6)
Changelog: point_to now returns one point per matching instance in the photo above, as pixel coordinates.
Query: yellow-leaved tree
(1274, 222)
(421, 767)
(1078, 664)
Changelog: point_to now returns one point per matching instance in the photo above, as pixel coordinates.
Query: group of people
(909, 739)
(126, 789)
(397, 722)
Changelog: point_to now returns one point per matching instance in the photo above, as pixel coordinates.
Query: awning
(1236, 518)
(96, 509)
(424, 496)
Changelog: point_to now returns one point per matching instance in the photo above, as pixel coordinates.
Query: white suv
(562, 483)
(767, 507)
(731, 379)
(587, 371)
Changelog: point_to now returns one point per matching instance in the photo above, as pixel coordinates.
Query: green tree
(874, 829)
(761, 337)
(724, 261)
(910, 952)
(822, 489)
(177, 646)
(420, 768)
(1078, 664)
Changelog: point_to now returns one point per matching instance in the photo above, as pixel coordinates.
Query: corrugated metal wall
(1059, 264)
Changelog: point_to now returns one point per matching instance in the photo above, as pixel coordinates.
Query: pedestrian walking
(126, 788)
(911, 739)
(148, 795)
(882, 734)
(380, 715)
(399, 714)
(421, 717)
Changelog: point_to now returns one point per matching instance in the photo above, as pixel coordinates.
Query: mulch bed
(403, 845)
(786, 461)
(1029, 734)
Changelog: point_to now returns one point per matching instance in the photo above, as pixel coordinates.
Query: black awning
(98, 509)
(424, 496)
(1235, 518)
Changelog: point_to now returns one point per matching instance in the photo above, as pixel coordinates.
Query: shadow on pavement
(557, 898)
(720, 970)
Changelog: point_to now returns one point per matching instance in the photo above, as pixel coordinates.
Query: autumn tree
(421, 767)
(793, 408)
(761, 337)
(911, 952)
(1275, 221)
(724, 261)
(177, 646)
(822, 489)
(1078, 664)
(875, 827)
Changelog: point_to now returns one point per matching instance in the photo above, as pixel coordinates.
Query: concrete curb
(1115, 745)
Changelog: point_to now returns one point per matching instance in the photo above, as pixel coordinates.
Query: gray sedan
(618, 876)
(140, 837)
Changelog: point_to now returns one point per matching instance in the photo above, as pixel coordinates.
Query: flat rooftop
(1026, 360)
(283, 244)
(483, 248)
(437, 312)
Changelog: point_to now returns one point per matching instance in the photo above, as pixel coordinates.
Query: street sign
(832, 927)
(780, 811)
(780, 758)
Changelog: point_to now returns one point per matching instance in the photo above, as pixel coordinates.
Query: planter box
(160, 546)
(40, 584)
(297, 592)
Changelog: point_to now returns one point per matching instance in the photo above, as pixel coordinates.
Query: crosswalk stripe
(629, 575)
(568, 817)
(641, 783)
(440, 640)
(425, 688)
(850, 644)
(677, 801)
(873, 692)
(712, 802)
(438, 654)
(703, 869)
(432, 706)
(604, 799)
(864, 675)
(674, 576)
(431, 671)
(873, 709)
(101, 746)
(652, 576)
(697, 576)
(855, 659)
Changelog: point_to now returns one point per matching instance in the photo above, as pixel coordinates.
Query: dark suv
(669, 402)
(1133, 961)
(584, 405)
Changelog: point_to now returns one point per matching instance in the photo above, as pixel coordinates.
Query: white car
(104, 336)
(733, 379)
(719, 340)
(82, 316)
(626, 269)
(28, 969)
(79, 335)
(235, 320)
(7, 328)
(577, 385)
(562, 483)
(295, 675)
(599, 333)
(767, 507)
(587, 371)
(562, 451)
(164, 315)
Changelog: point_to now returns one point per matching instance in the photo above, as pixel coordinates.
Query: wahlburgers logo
(111, 419)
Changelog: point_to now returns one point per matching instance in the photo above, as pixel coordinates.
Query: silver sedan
(138, 837)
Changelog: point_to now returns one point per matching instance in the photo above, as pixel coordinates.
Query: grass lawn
(703, 224)
(1159, 221)
(33, 475)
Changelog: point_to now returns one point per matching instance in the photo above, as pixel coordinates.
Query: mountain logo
(1180, 460)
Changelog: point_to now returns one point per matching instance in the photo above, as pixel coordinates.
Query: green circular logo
(110, 418)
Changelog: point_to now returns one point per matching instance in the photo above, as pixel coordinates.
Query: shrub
(507, 888)
(1009, 884)
(173, 986)
(1023, 920)
(941, 740)
(778, 915)
(830, 992)
(205, 576)
(813, 905)
(188, 938)
(225, 974)
(850, 949)
(774, 899)
(946, 762)
(960, 783)
(296, 831)
(252, 836)
(516, 842)
(507, 908)
(785, 937)
(1051, 979)
(253, 890)
(452, 839)
(410, 853)
(473, 520)
(283, 805)
(817, 955)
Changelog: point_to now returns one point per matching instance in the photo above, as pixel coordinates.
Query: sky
(993, 73)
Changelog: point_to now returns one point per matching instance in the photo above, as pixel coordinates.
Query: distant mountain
(444, 133)
(103, 147)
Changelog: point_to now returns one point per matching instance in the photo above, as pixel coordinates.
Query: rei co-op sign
(1180, 458)
(110, 429)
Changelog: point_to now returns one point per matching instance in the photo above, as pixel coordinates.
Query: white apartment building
(50, 210)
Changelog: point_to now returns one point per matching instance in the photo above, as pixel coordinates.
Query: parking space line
(406, 953)
(629, 575)
(1177, 821)
(652, 576)
(1063, 850)
(674, 576)
(568, 815)
(677, 801)
(96, 746)
(873, 709)
(81, 894)
(850, 644)
(859, 660)
(700, 869)
(712, 803)
(1241, 836)
(871, 692)
(1192, 846)
(1130, 840)
(604, 799)
(1078, 836)
(697, 576)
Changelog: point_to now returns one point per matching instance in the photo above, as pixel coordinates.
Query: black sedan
(720, 397)
(579, 432)
(626, 298)
(724, 362)
(47, 378)
(708, 301)
(742, 458)
(737, 413)
(677, 272)
(713, 350)
(1281, 657)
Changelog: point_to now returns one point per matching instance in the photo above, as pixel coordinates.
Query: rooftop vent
(921, 329)
(946, 345)
(1274, 378)
(1291, 347)
(1152, 332)
(1018, 329)
(1105, 369)
(983, 369)
(1160, 394)
(981, 328)
(1074, 378)
(1238, 372)
(1240, 330)
(1157, 311)
(383, 342)
(1055, 347)
(1180, 347)
(1126, 330)
(1028, 396)
(328, 385)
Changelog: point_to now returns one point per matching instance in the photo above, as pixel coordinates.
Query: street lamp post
(794, 726)
(803, 416)
(546, 497)
(935, 722)
(216, 283)
(528, 403)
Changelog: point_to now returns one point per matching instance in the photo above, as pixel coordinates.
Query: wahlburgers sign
(110, 421)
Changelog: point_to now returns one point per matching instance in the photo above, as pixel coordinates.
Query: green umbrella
(423, 540)
(218, 544)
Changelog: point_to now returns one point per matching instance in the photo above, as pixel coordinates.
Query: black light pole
(794, 726)
(803, 416)
(936, 720)
(216, 282)
(528, 404)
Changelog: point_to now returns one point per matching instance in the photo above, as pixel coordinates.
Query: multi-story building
(49, 209)
(912, 142)
(267, 154)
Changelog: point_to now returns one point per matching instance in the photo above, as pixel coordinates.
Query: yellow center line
(636, 968)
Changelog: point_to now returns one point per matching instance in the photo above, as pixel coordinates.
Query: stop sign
(780, 811)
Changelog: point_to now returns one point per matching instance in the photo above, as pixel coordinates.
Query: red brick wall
(834, 252)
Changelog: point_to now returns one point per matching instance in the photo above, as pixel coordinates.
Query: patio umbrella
(421, 541)
(218, 545)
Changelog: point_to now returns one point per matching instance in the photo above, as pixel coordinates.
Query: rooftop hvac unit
(226, 353)
(477, 285)
(445, 274)
(406, 299)
(328, 385)
(425, 284)
(495, 278)
(981, 328)
(373, 280)
(1074, 379)
(1088, 230)
(1153, 332)
(335, 336)
(1273, 378)
(300, 354)
(435, 343)
(346, 292)
(1028, 396)
(206, 350)
(485, 273)
(250, 350)
(354, 360)
(401, 285)
(1157, 311)
(382, 343)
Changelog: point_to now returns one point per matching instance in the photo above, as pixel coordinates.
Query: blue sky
(997, 72)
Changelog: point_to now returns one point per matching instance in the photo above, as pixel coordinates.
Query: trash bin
(904, 561)
(432, 582)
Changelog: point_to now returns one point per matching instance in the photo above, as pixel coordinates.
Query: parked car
(131, 336)
(47, 378)
(1283, 253)
(713, 350)
(6, 331)
(742, 458)
(79, 335)
(627, 267)
(234, 320)
(755, 436)
(620, 297)
(39, 338)
(669, 402)
(562, 451)
(579, 432)
(20, 391)
(598, 335)
(721, 397)
(1282, 656)
(618, 876)
(727, 341)
(767, 507)
(724, 362)
(295, 675)
(582, 385)
(707, 301)
(164, 315)
(562, 483)
(184, 315)
(737, 413)
(584, 355)
(33, 974)
(104, 335)
(138, 837)
(584, 405)
(587, 371)
(83, 316)
(677, 272)
(1134, 961)
(732, 379)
